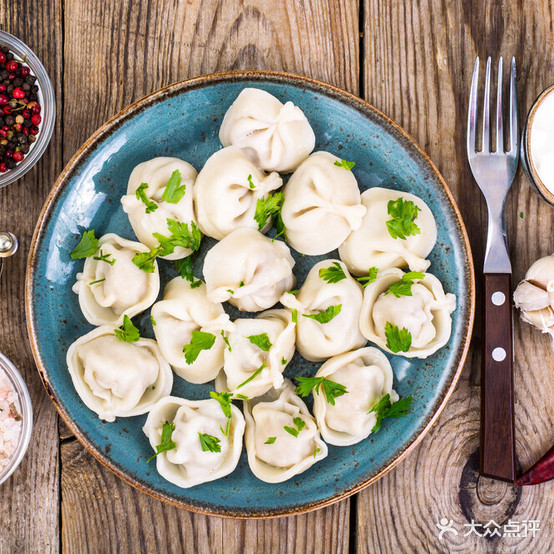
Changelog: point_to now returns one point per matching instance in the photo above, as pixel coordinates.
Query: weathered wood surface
(419, 60)
(413, 62)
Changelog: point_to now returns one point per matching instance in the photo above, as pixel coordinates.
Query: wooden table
(412, 60)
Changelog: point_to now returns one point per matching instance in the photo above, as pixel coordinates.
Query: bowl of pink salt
(16, 418)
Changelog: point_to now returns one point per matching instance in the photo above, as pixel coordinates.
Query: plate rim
(202, 81)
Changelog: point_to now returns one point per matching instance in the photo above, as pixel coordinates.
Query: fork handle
(498, 458)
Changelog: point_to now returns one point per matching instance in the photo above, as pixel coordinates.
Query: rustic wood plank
(114, 53)
(418, 61)
(29, 515)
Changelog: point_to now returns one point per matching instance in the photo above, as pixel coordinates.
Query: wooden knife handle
(498, 458)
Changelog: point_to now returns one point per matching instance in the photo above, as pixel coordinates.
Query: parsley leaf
(165, 442)
(241, 397)
(104, 258)
(398, 340)
(181, 235)
(384, 409)
(283, 361)
(250, 182)
(97, 281)
(331, 389)
(299, 423)
(253, 376)
(151, 206)
(345, 164)
(294, 316)
(173, 192)
(267, 207)
(224, 399)
(316, 451)
(332, 274)
(226, 340)
(146, 260)
(270, 440)
(279, 226)
(127, 332)
(261, 341)
(403, 215)
(370, 278)
(184, 267)
(209, 443)
(326, 315)
(87, 246)
(153, 321)
(404, 286)
(198, 342)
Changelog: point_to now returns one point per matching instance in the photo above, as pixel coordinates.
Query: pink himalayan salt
(10, 420)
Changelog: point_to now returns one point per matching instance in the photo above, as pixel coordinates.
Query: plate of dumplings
(250, 294)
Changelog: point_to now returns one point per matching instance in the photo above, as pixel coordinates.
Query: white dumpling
(318, 341)
(277, 137)
(183, 310)
(248, 270)
(322, 205)
(188, 464)
(243, 358)
(367, 375)
(113, 287)
(373, 246)
(274, 454)
(227, 190)
(156, 174)
(116, 378)
(425, 314)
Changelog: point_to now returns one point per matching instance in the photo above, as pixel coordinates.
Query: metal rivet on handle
(8, 244)
(498, 298)
(498, 354)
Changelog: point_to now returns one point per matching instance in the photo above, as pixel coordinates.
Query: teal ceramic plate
(183, 120)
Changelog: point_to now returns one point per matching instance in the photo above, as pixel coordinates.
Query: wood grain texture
(29, 517)
(115, 53)
(418, 62)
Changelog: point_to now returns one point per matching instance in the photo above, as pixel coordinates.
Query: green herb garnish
(151, 206)
(294, 316)
(97, 281)
(165, 443)
(261, 341)
(404, 286)
(241, 397)
(384, 409)
(209, 443)
(146, 260)
(369, 278)
(181, 236)
(283, 361)
(326, 315)
(398, 340)
(224, 399)
(127, 332)
(330, 389)
(345, 164)
(173, 192)
(250, 182)
(403, 215)
(226, 340)
(332, 274)
(253, 376)
(104, 258)
(87, 246)
(299, 423)
(153, 321)
(267, 207)
(316, 451)
(199, 341)
(184, 267)
(270, 440)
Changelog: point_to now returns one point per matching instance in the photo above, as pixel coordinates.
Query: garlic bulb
(534, 296)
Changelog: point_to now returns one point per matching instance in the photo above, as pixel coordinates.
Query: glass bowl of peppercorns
(27, 108)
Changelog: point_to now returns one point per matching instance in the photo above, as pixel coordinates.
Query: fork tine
(514, 130)
(499, 129)
(486, 110)
(472, 111)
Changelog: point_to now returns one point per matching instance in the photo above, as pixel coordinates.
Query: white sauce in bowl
(542, 141)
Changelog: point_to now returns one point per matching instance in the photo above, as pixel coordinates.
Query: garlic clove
(542, 319)
(528, 297)
(542, 271)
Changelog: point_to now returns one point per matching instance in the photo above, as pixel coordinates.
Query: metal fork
(494, 172)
